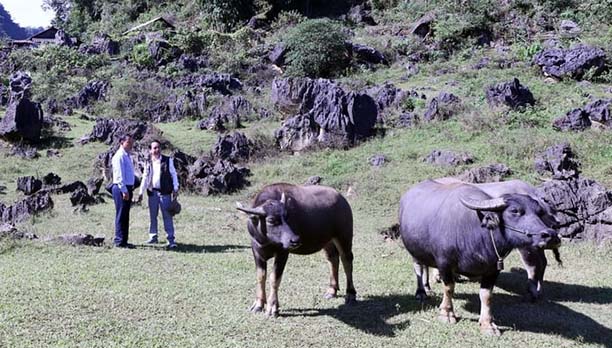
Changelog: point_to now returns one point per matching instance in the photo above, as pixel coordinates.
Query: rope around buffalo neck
(500, 260)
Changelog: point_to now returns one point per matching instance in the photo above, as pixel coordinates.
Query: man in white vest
(161, 182)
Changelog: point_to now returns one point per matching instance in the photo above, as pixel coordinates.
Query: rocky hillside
(525, 85)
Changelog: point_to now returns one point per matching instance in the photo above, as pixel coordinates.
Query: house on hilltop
(51, 35)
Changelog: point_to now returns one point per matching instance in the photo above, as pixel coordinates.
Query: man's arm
(118, 173)
(175, 182)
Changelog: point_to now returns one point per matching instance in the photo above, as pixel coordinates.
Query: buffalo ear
(488, 219)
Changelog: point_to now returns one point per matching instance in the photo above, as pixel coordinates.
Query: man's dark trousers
(122, 215)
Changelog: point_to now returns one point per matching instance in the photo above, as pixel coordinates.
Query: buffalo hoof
(256, 308)
(272, 313)
(448, 318)
(490, 330)
(350, 299)
(329, 295)
(421, 296)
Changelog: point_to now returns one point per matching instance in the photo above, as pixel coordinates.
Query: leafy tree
(316, 48)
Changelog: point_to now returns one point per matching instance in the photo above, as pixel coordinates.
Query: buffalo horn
(487, 204)
(253, 211)
(283, 199)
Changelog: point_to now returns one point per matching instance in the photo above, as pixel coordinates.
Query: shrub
(141, 56)
(316, 48)
(225, 15)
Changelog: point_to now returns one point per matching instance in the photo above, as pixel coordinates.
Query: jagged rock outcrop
(583, 207)
(323, 113)
(442, 107)
(559, 161)
(216, 176)
(361, 14)
(572, 63)
(235, 147)
(25, 208)
(101, 44)
(511, 94)
(579, 119)
(29, 184)
(448, 158)
(23, 118)
(388, 96)
(163, 52)
(491, 173)
(366, 54)
(231, 110)
(191, 62)
(219, 82)
(93, 91)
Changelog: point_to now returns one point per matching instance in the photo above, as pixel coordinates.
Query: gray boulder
(23, 118)
(511, 94)
(366, 54)
(448, 158)
(442, 107)
(491, 173)
(211, 177)
(25, 208)
(231, 109)
(28, 184)
(235, 147)
(559, 161)
(101, 44)
(571, 63)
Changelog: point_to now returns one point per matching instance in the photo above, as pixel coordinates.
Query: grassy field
(62, 296)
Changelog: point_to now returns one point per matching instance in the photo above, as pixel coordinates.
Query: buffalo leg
(447, 313)
(422, 276)
(260, 292)
(346, 256)
(331, 254)
(535, 264)
(280, 260)
(487, 326)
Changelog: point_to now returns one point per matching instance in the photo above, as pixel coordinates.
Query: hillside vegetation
(359, 93)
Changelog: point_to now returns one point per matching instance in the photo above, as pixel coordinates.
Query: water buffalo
(285, 219)
(534, 259)
(460, 229)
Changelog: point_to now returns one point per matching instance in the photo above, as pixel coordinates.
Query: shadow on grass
(54, 141)
(370, 315)
(193, 248)
(547, 316)
(516, 282)
(2, 190)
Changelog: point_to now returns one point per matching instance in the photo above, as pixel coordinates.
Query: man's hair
(153, 142)
(124, 137)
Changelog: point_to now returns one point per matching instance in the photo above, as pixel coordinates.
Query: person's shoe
(125, 246)
(172, 246)
(152, 240)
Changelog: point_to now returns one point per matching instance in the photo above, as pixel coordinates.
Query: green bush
(316, 48)
(225, 15)
(141, 56)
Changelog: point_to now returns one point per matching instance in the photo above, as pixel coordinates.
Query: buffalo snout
(547, 238)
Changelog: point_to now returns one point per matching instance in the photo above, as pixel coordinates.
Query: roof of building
(156, 19)
(48, 33)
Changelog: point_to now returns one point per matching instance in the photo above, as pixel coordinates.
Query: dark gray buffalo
(460, 229)
(301, 220)
(534, 259)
